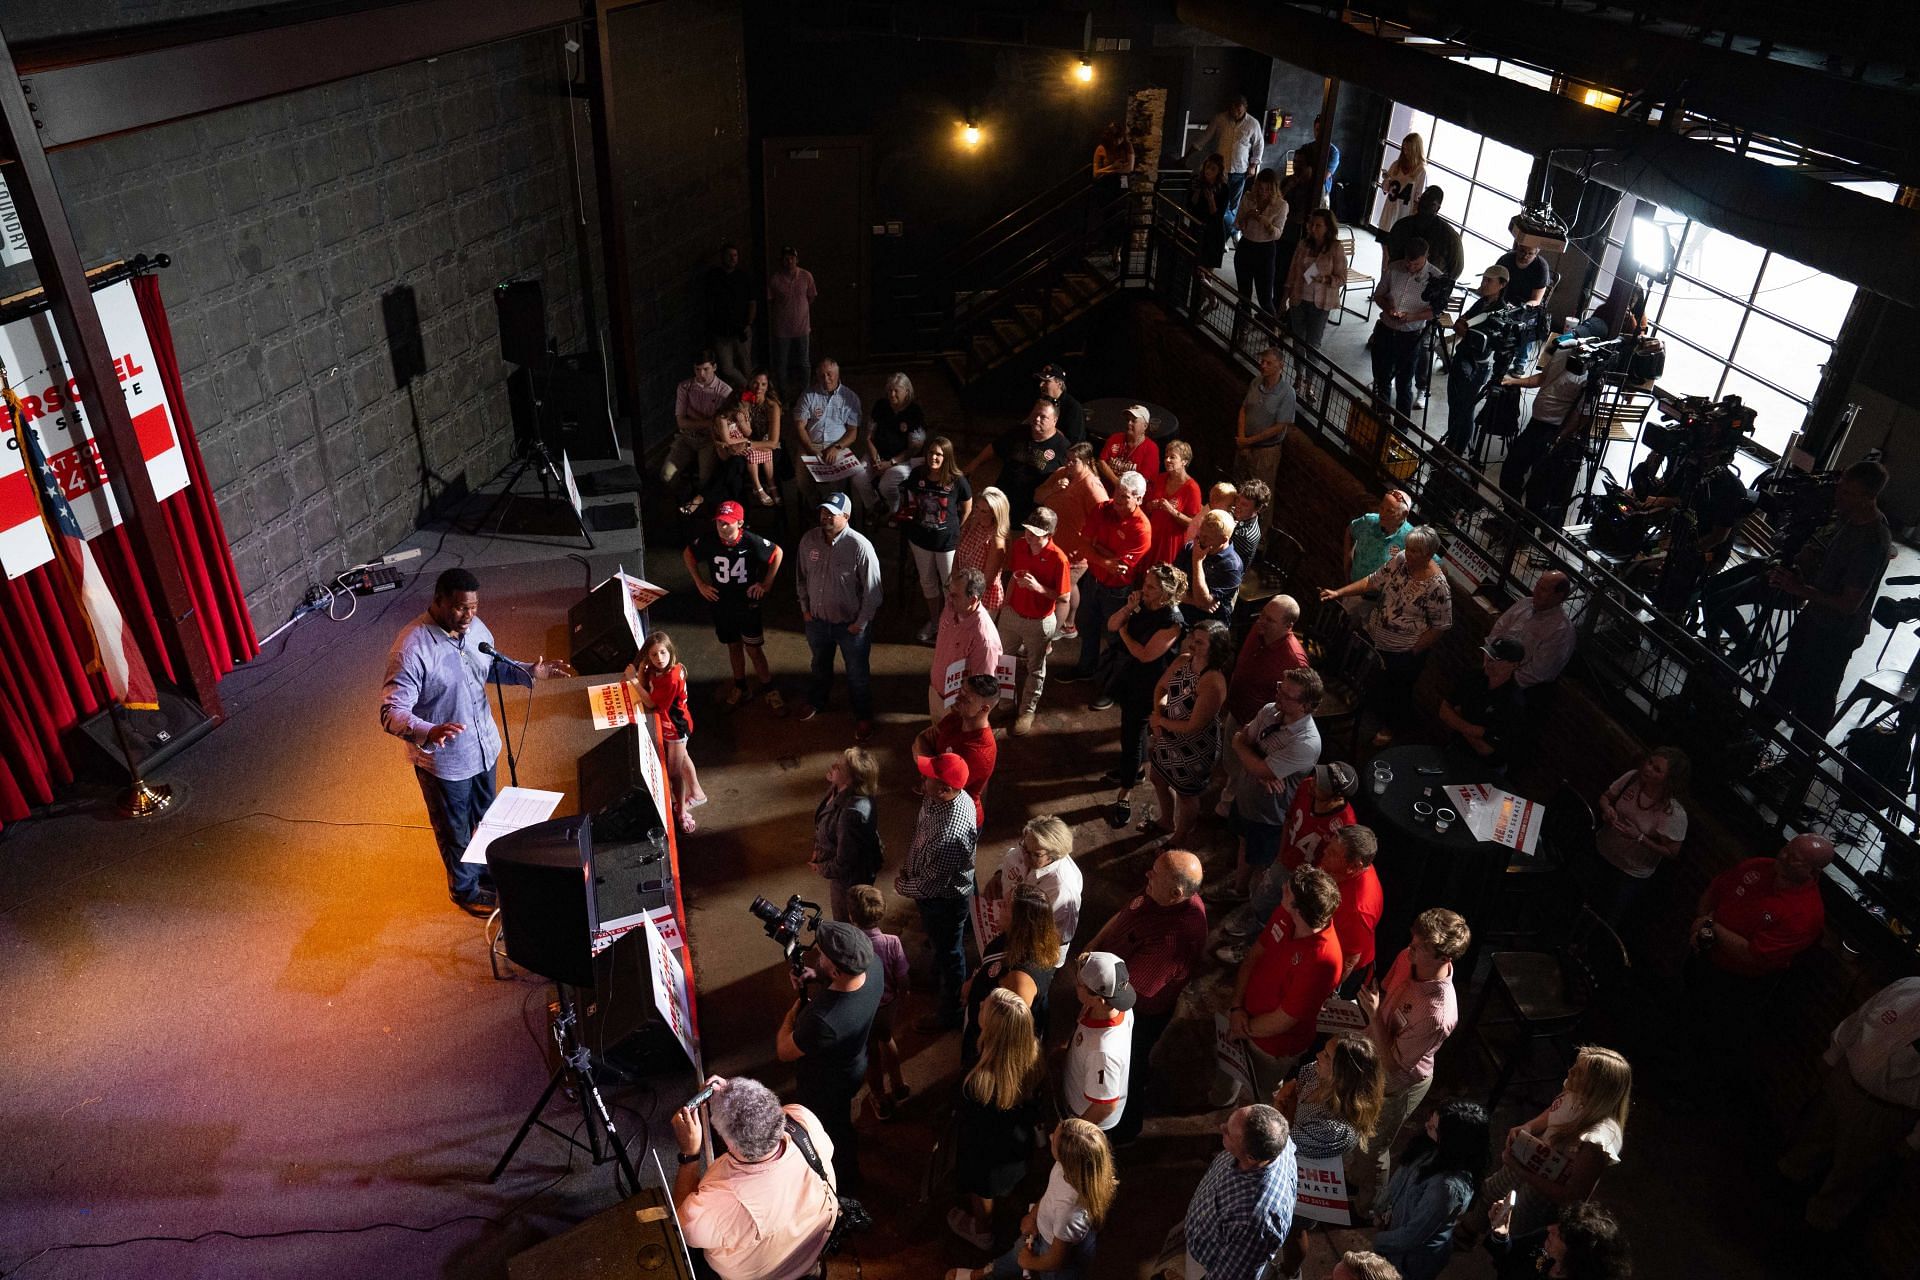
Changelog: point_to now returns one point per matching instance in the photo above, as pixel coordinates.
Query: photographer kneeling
(759, 1212)
(825, 1036)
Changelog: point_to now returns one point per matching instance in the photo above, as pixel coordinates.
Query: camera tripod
(576, 1069)
(533, 453)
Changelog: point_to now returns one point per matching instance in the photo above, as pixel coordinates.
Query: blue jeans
(1007, 1265)
(1098, 602)
(1396, 358)
(822, 638)
(786, 352)
(945, 920)
(454, 809)
(1236, 187)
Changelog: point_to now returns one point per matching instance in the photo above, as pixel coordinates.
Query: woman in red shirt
(660, 684)
(1173, 500)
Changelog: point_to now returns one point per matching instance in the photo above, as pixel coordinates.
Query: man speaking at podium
(435, 699)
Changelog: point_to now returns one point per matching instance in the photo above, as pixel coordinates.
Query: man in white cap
(839, 585)
(1036, 606)
(1130, 450)
(1093, 1082)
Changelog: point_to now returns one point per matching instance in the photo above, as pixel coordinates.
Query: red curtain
(45, 689)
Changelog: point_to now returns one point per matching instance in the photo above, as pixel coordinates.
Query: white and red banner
(50, 407)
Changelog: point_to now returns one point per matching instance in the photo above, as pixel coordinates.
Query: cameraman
(825, 1037)
(759, 1212)
(1472, 362)
(1837, 574)
(1553, 428)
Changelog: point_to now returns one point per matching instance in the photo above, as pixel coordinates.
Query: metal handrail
(962, 253)
(1663, 660)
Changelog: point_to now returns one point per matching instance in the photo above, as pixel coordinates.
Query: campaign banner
(1322, 1196)
(50, 407)
(612, 705)
(1232, 1060)
(1338, 1015)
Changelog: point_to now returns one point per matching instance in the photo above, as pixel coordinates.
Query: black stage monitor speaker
(614, 789)
(544, 875)
(522, 305)
(152, 736)
(600, 642)
(637, 1237)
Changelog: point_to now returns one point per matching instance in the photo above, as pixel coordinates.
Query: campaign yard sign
(50, 406)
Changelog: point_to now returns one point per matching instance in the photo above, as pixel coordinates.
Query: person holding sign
(1557, 1157)
(434, 699)
(1332, 1107)
(660, 684)
(1287, 976)
(968, 644)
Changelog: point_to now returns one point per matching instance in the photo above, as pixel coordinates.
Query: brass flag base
(145, 800)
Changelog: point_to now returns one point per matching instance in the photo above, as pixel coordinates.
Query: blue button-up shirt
(1238, 1218)
(839, 415)
(432, 679)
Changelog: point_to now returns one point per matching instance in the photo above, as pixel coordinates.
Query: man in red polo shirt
(1036, 604)
(1757, 915)
(1289, 974)
(964, 731)
(1270, 651)
(1348, 858)
(1322, 804)
(1118, 537)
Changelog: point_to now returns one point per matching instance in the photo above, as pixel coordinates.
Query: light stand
(576, 1069)
(532, 452)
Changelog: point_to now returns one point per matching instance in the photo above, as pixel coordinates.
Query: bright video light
(1084, 72)
(971, 135)
(1651, 247)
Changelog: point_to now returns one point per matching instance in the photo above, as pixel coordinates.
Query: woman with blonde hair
(1173, 500)
(846, 841)
(983, 544)
(1333, 1106)
(996, 1111)
(1260, 219)
(1556, 1158)
(1020, 959)
(1403, 181)
(1057, 1235)
(895, 443)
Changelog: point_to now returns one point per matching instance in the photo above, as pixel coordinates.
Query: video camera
(1695, 426)
(1506, 328)
(1796, 505)
(785, 926)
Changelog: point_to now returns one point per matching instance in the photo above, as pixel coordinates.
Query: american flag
(116, 655)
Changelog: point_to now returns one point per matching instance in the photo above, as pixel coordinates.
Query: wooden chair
(1545, 997)
(1623, 416)
(1356, 279)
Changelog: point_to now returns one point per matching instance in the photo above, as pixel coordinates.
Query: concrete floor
(259, 1014)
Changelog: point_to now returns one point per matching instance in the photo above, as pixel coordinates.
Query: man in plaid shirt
(938, 877)
(1242, 1209)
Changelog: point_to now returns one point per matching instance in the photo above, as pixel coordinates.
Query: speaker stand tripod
(575, 1070)
(534, 454)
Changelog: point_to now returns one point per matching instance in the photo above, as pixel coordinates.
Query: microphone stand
(506, 726)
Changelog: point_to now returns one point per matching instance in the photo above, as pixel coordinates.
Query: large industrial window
(1485, 180)
(1737, 319)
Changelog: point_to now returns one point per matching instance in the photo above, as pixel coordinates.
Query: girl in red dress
(660, 684)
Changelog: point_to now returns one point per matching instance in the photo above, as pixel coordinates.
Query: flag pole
(141, 799)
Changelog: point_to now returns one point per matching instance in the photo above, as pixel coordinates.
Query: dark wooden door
(816, 201)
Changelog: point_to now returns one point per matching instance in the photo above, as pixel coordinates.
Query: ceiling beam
(87, 90)
(1868, 124)
(1869, 242)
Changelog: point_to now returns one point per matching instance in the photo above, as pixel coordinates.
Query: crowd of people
(1117, 544)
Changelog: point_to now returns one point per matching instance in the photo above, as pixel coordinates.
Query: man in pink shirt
(1410, 1014)
(790, 295)
(968, 643)
(759, 1212)
(696, 403)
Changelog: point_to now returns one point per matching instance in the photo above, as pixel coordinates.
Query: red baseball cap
(946, 766)
(729, 512)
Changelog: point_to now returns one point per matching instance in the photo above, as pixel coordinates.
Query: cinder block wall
(287, 221)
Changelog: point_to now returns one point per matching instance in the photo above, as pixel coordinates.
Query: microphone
(492, 652)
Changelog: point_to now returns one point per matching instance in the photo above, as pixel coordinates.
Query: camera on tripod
(785, 926)
(1697, 426)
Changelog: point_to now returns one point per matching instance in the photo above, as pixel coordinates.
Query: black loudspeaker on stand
(599, 641)
(153, 737)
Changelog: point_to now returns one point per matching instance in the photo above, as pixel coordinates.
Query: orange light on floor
(1084, 72)
(970, 134)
